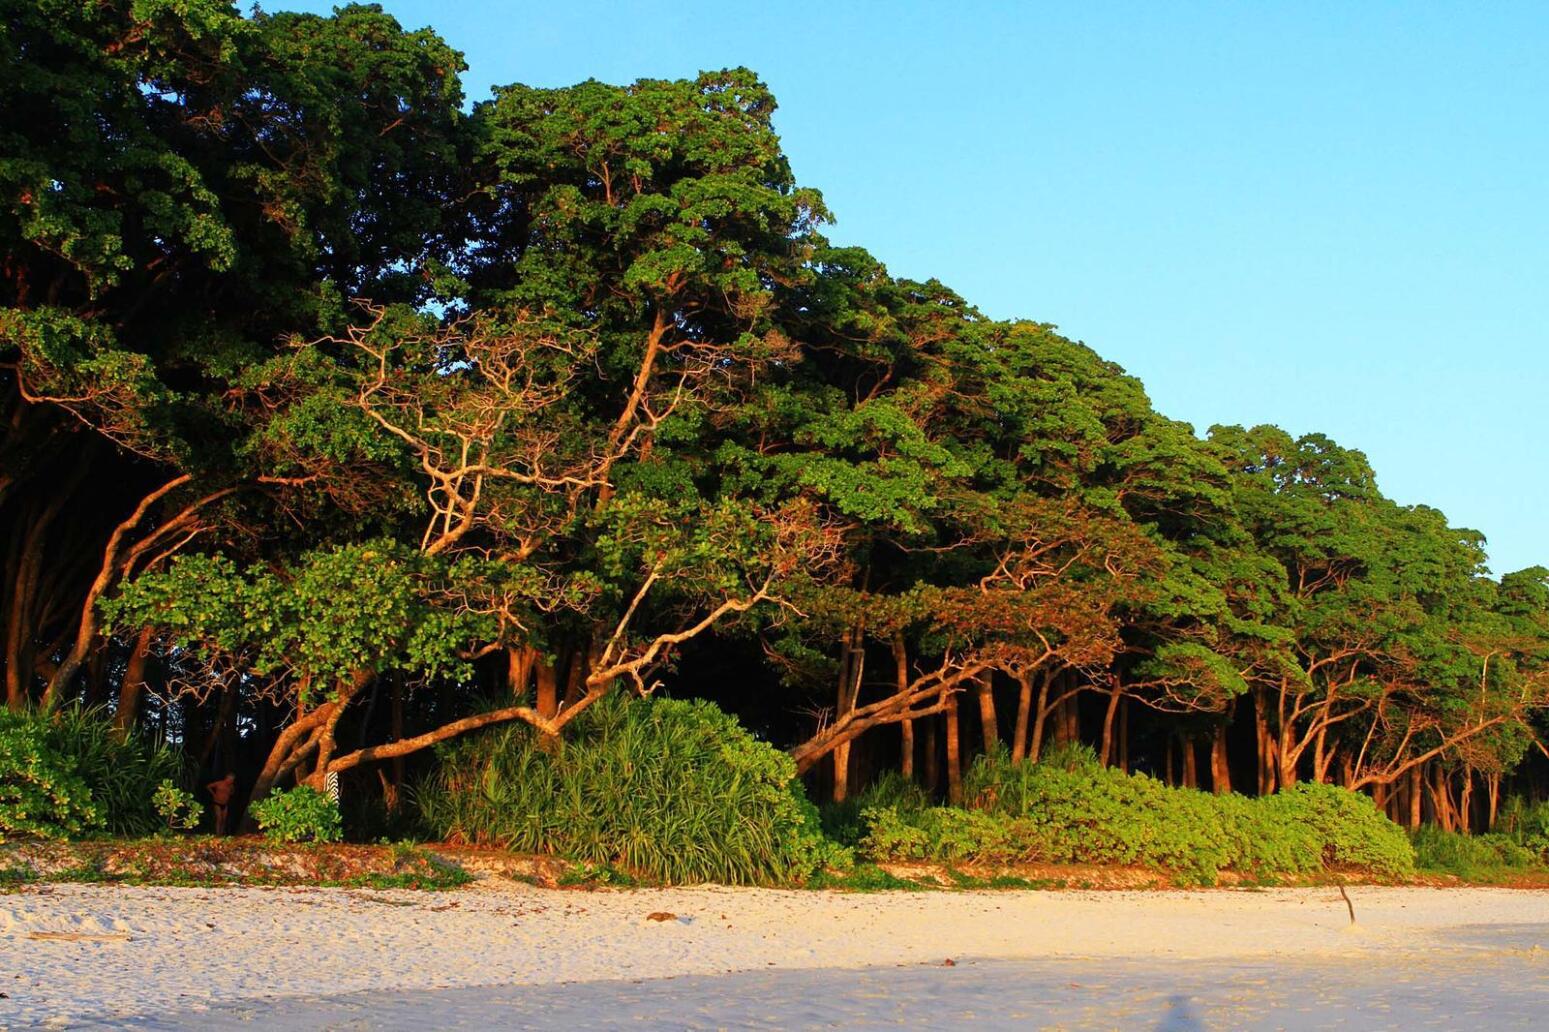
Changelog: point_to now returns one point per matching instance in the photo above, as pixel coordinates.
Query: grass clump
(662, 789)
(1071, 809)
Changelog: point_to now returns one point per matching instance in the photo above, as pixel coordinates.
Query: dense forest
(342, 417)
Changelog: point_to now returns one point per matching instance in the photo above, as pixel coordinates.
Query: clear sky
(1333, 217)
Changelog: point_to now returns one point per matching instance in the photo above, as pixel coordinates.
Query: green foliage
(41, 793)
(1490, 857)
(368, 606)
(302, 814)
(1349, 829)
(123, 770)
(843, 822)
(1526, 824)
(84, 772)
(177, 807)
(1070, 809)
(668, 790)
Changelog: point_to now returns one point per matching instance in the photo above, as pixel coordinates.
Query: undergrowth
(1071, 809)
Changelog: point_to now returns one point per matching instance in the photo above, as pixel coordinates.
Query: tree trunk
(133, 685)
(396, 730)
(1465, 815)
(1024, 712)
(1124, 738)
(546, 701)
(1220, 766)
(932, 758)
(1040, 717)
(576, 674)
(1492, 786)
(1105, 754)
(1191, 762)
(901, 687)
(1416, 797)
(851, 661)
(519, 667)
(954, 754)
(1266, 743)
(987, 719)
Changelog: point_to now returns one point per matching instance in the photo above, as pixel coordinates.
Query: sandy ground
(498, 954)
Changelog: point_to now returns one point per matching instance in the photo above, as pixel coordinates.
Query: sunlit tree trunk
(987, 719)
(905, 727)
(547, 688)
(132, 688)
(1266, 743)
(852, 657)
(1465, 800)
(954, 754)
(1115, 692)
(932, 757)
(1220, 766)
(1024, 714)
(1040, 717)
(1124, 738)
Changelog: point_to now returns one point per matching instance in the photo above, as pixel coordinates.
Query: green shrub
(302, 814)
(843, 822)
(41, 794)
(1071, 809)
(665, 789)
(1527, 824)
(176, 807)
(1472, 857)
(1350, 830)
(121, 772)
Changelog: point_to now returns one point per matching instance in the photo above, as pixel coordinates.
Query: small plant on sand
(302, 814)
(176, 806)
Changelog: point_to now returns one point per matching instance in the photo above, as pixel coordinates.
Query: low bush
(1071, 809)
(1527, 824)
(41, 793)
(664, 789)
(1473, 857)
(81, 747)
(302, 814)
(843, 822)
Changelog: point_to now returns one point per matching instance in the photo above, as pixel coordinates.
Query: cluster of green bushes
(71, 773)
(1520, 844)
(678, 791)
(1071, 809)
(665, 789)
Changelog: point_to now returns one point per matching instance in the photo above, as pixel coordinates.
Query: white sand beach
(74, 955)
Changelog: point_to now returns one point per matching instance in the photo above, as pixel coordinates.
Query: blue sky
(1328, 217)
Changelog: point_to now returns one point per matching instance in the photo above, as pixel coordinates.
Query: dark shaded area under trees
(337, 420)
